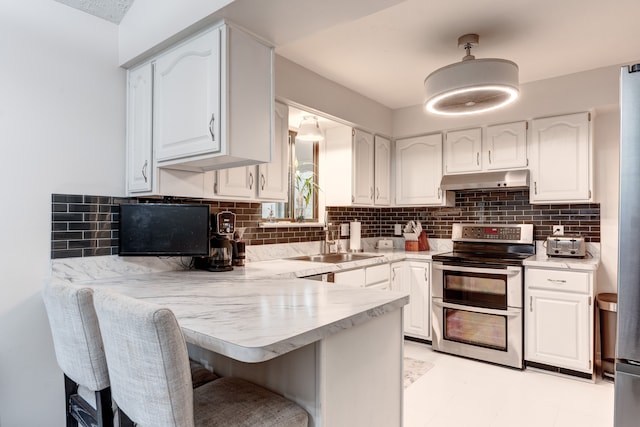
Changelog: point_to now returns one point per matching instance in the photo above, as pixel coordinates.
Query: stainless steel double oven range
(477, 294)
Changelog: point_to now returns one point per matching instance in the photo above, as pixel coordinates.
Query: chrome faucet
(329, 243)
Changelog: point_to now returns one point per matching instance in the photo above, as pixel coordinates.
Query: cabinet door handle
(371, 193)
(489, 156)
(439, 193)
(478, 158)
(531, 304)
(211, 122)
(262, 181)
(353, 199)
(250, 180)
(377, 193)
(557, 281)
(144, 170)
(393, 279)
(535, 187)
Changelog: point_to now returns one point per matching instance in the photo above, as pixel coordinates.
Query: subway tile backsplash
(85, 225)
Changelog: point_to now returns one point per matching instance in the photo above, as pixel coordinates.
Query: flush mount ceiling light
(309, 130)
(473, 85)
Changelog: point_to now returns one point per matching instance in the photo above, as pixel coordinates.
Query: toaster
(566, 246)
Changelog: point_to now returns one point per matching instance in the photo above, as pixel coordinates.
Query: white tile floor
(458, 392)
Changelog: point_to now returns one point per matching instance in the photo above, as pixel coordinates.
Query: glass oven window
(481, 329)
(476, 289)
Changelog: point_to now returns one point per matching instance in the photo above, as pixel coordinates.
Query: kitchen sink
(334, 258)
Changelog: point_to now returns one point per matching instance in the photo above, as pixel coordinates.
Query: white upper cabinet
(187, 99)
(140, 167)
(265, 182)
(505, 146)
(462, 151)
(273, 176)
(382, 171)
(363, 166)
(212, 102)
(561, 169)
(350, 172)
(419, 171)
(482, 149)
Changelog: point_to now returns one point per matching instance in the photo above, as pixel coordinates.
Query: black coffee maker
(221, 248)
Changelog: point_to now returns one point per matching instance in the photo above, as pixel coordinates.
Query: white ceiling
(386, 56)
(383, 49)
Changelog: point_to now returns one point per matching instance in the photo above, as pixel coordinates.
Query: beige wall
(299, 86)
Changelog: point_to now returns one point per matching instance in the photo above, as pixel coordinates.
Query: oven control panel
(516, 233)
(491, 233)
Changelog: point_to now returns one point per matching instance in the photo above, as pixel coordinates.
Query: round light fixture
(473, 85)
(309, 130)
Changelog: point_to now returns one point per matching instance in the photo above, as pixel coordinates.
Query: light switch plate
(344, 229)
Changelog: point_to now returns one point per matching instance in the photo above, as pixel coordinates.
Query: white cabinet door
(505, 146)
(363, 151)
(382, 171)
(272, 176)
(140, 166)
(186, 102)
(414, 277)
(462, 151)
(355, 278)
(417, 320)
(236, 182)
(561, 159)
(557, 329)
(419, 170)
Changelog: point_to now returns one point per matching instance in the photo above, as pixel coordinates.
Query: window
(303, 184)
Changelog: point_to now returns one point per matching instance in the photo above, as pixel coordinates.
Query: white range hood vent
(486, 180)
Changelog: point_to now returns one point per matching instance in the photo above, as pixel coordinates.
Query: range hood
(486, 180)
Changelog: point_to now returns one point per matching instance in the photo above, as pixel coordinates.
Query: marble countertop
(260, 311)
(590, 263)
(255, 320)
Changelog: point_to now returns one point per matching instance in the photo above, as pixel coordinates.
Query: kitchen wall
(84, 225)
(62, 131)
(87, 225)
(478, 206)
(594, 90)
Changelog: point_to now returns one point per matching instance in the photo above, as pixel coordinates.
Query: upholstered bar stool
(79, 352)
(149, 370)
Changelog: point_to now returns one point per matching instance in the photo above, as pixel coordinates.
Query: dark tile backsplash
(85, 226)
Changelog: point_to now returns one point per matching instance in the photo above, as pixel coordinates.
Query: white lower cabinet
(371, 277)
(559, 318)
(414, 277)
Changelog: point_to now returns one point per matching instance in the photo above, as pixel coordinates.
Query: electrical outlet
(344, 229)
(558, 230)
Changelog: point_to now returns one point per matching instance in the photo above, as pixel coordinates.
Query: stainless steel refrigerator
(627, 378)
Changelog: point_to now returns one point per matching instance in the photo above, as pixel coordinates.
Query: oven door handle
(509, 312)
(508, 271)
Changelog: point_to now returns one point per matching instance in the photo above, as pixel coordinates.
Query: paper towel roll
(354, 236)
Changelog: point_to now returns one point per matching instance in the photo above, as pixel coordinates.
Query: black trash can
(607, 325)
